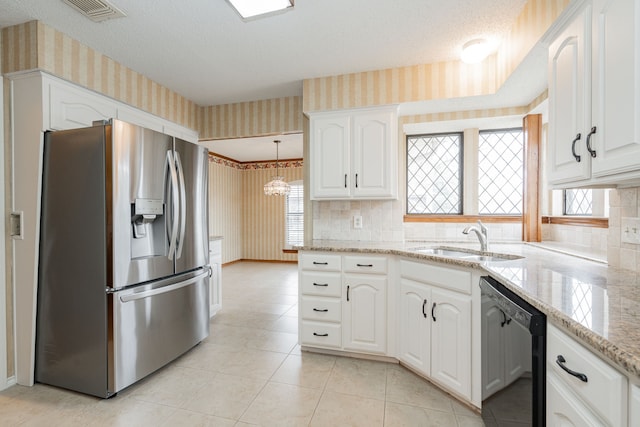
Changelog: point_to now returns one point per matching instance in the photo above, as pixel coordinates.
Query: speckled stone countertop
(598, 304)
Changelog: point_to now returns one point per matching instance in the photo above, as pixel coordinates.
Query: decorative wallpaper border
(282, 164)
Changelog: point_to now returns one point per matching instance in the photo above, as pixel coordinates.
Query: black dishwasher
(513, 358)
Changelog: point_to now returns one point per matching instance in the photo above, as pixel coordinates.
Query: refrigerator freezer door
(193, 236)
(155, 323)
(141, 208)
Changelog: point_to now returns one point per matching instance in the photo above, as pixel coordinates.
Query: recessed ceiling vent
(96, 10)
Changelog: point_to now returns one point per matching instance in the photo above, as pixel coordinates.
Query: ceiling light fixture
(277, 186)
(475, 51)
(253, 8)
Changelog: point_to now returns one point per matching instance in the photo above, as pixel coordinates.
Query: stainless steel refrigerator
(123, 279)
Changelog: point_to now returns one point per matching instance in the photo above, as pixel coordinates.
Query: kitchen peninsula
(589, 303)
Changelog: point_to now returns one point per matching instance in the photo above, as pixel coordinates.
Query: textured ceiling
(204, 51)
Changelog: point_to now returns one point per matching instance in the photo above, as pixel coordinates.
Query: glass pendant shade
(277, 186)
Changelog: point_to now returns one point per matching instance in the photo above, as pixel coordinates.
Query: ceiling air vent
(96, 10)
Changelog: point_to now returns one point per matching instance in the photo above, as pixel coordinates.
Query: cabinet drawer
(321, 334)
(320, 262)
(606, 389)
(365, 264)
(319, 283)
(322, 309)
(449, 278)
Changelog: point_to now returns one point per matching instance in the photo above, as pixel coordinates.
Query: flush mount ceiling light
(277, 186)
(253, 8)
(475, 51)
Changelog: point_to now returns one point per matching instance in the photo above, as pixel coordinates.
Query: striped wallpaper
(266, 117)
(435, 81)
(252, 224)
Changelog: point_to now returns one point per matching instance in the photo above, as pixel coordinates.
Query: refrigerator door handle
(183, 205)
(164, 289)
(174, 199)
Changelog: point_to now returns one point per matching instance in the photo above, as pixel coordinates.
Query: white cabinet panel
(71, 107)
(415, 325)
(140, 118)
(563, 409)
(364, 313)
(330, 161)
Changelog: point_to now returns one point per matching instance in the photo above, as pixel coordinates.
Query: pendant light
(277, 186)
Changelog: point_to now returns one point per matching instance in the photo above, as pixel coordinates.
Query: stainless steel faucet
(482, 234)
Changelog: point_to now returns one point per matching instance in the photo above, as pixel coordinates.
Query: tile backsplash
(624, 203)
(381, 220)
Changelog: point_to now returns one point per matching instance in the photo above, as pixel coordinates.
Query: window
(500, 172)
(434, 174)
(294, 215)
(578, 202)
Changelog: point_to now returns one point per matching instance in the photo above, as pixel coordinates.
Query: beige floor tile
(472, 421)
(336, 409)
(228, 397)
(207, 357)
(281, 342)
(407, 388)
(404, 415)
(127, 412)
(174, 386)
(306, 370)
(284, 324)
(182, 418)
(253, 363)
(358, 377)
(282, 405)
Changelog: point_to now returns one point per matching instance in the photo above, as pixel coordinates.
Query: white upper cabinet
(354, 154)
(594, 97)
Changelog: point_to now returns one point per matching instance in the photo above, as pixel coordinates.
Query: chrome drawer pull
(320, 335)
(561, 361)
(320, 263)
(320, 284)
(321, 310)
(364, 265)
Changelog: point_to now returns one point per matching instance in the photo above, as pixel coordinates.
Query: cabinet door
(564, 409)
(493, 375)
(569, 100)
(374, 155)
(451, 340)
(330, 138)
(616, 86)
(415, 325)
(71, 107)
(364, 315)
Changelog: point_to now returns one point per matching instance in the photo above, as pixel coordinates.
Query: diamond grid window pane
(434, 176)
(500, 172)
(578, 202)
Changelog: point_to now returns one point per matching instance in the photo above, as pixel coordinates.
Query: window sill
(463, 218)
(582, 221)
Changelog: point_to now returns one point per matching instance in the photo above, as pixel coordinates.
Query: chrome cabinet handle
(573, 147)
(320, 284)
(424, 313)
(592, 152)
(347, 292)
(433, 316)
(561, 362)
(320, 335)
(321, 310)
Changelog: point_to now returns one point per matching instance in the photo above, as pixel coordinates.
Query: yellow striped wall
(435, 81)
(256, 118)
(34, 45)
(251, 223)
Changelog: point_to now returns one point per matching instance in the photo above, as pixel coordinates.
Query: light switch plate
(357, 221)
(630, 230)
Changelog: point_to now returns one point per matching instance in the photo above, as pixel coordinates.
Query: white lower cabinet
(582, 389)
(215, 282)
(435, 330)
(364, 314)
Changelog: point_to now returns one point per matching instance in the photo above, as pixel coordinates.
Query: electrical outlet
(357, 221)
(630, 230)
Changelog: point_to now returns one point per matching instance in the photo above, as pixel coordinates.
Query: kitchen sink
(465, 254)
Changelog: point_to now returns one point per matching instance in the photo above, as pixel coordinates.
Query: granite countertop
(598, 304)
